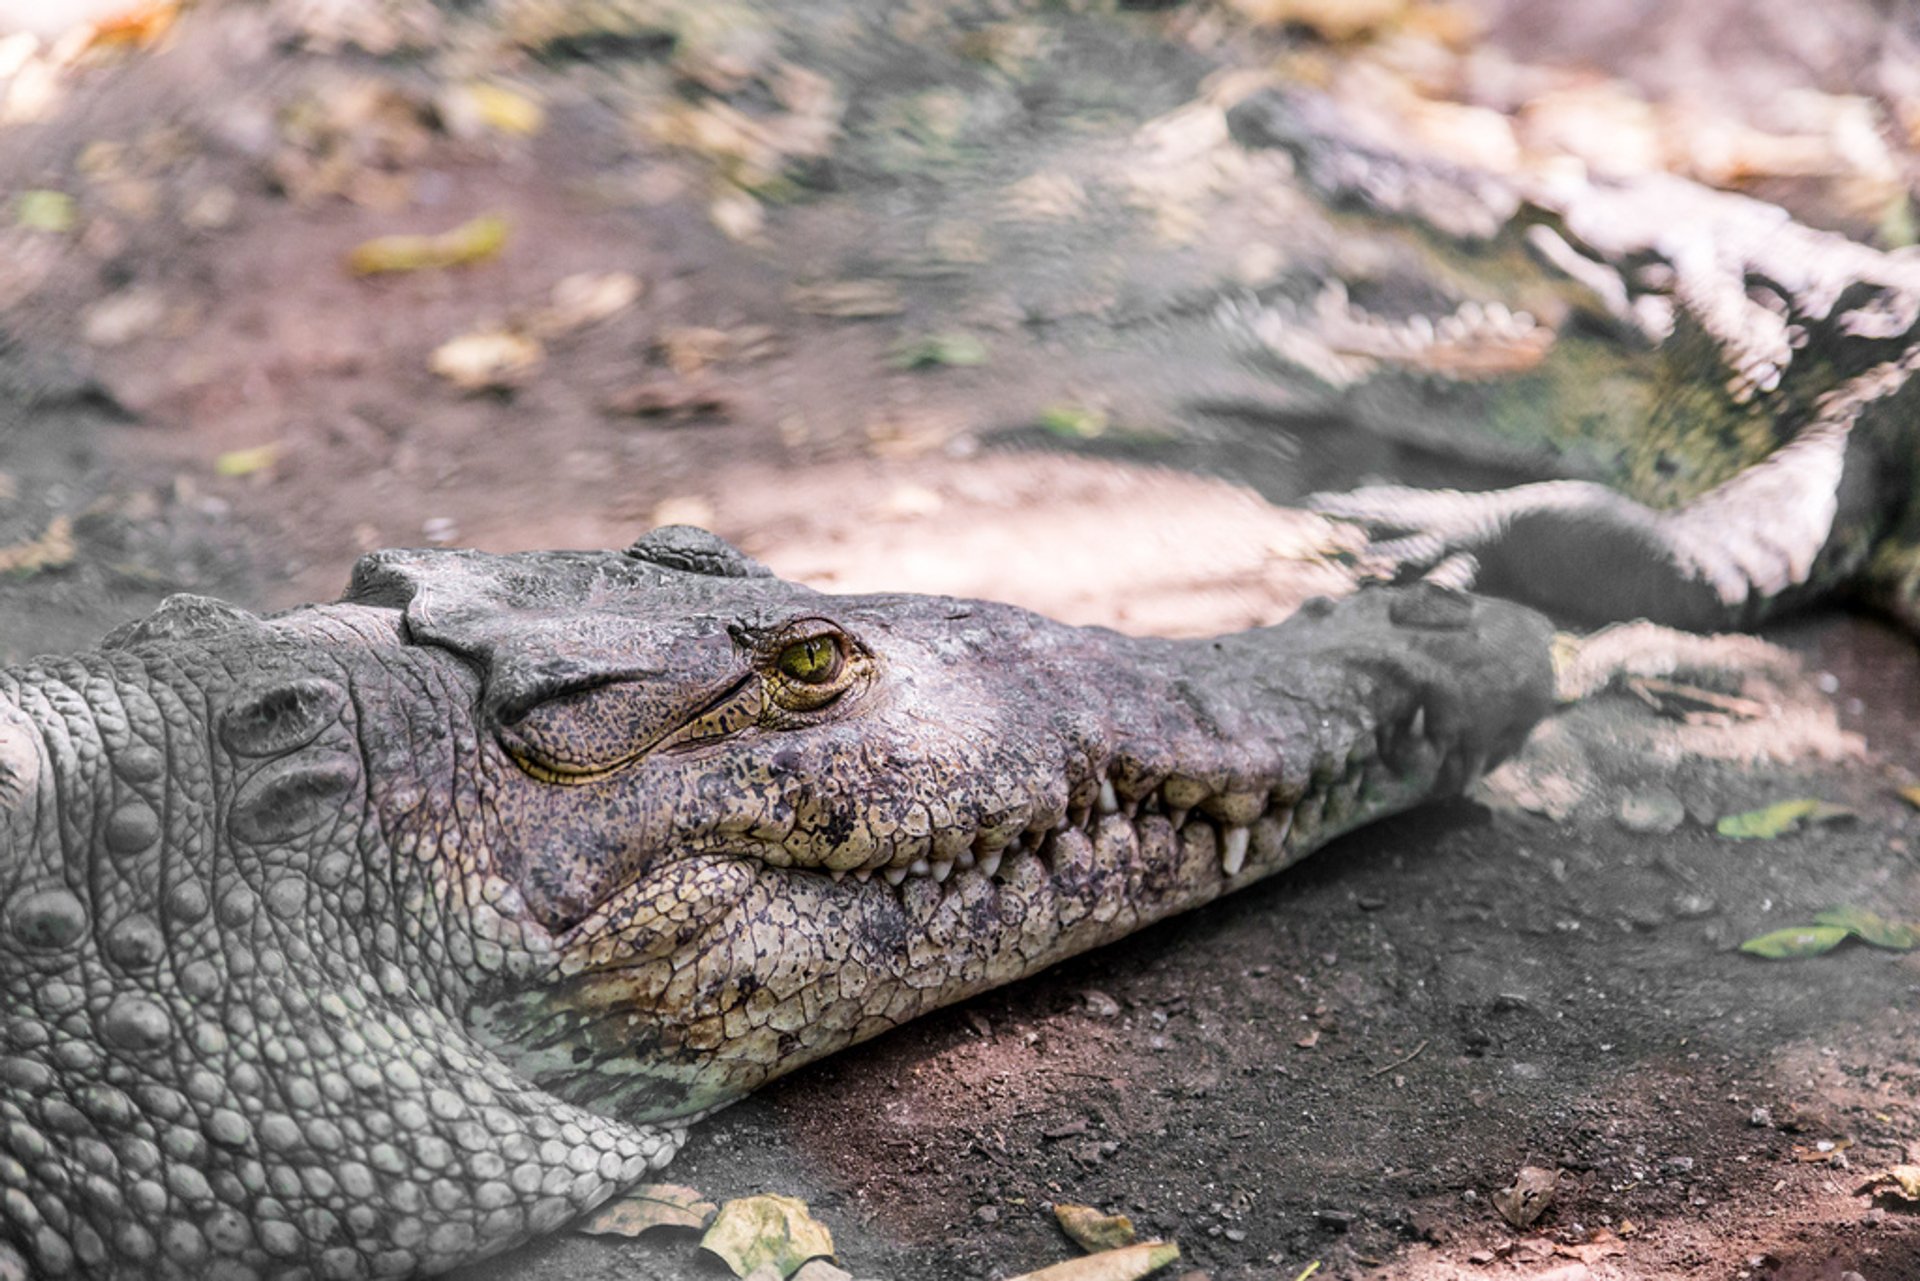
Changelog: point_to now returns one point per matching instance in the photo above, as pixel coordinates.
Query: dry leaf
(1092, 1230)
(1528, 1196)
(848, 299)
(672, 400)
(51, 550)
(649, 1206)
(584, 299)
(490, 360)
(1901, 1182)
(754, 1231)
(1128, 1264)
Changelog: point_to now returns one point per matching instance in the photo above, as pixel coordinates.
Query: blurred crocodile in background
(1735, 388)
(370, 938)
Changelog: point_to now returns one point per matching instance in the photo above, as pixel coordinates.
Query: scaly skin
(374, 937)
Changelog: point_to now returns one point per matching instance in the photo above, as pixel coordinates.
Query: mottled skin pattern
(1742, 384)
(375, 937)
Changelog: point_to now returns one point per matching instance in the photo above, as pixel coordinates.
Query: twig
(1418, 1050)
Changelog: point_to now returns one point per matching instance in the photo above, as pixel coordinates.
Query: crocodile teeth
(964, 858)
(942, 870)
(1177, 817)
(863, 875)
(895, 875)
(989, 863)
(1109, 799)
(839, 874)
(1233, 850)
(1417, 727)
(919, 867)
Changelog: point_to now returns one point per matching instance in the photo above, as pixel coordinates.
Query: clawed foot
(1416, 534)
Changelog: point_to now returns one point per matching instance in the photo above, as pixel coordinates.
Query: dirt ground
(1340, 1067)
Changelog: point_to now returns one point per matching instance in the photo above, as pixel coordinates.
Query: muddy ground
(1339, 1067)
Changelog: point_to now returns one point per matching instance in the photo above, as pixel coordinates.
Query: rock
(1650, 810)
(1760, 1118)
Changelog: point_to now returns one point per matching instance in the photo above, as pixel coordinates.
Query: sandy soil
(1341, 1066)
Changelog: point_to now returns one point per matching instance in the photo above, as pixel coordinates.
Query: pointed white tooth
(1285, 820)
(964, 858)
(1177, 817)
(839, 874)
(919, 867)
(863, 875)
(941, 871)
(1417, 727)
(895, 875)
(1233, 850)
(1109, 799)
(989, 863)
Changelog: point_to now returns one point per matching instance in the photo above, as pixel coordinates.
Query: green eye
(813, 661)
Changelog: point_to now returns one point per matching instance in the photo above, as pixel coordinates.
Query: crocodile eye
(814, 660)
(808, 669)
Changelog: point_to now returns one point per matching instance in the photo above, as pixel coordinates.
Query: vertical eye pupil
(813, 661)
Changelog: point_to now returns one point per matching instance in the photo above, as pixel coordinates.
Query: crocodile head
(377, 935)
(747, 823)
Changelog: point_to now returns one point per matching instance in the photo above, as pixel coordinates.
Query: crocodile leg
(1760, 542)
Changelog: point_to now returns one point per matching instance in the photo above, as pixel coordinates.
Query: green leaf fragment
(42, 210)
(1080, 422)
(1871, 927)
(1796, 941)
(1780, 818)
(651, 1205)
(940, 349)
(753, 1232)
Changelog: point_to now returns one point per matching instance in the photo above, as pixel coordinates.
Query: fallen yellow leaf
(245, 462)
(473, 241)
(1129, 1264)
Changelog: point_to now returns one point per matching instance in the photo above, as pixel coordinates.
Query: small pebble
(1653, 809)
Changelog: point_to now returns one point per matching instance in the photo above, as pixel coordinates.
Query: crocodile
(1726, 405)
(370, 938)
